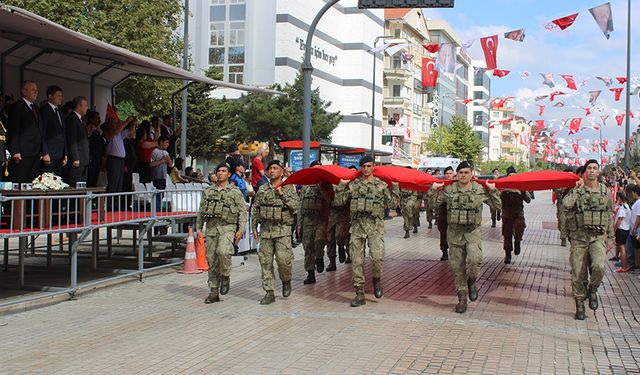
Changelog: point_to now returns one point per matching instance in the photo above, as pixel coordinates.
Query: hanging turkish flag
(509, 119)
(541, 111)
(631, 114)
(565, 22)
(617, 91)
(490, 49)
(429, 72)
(467, 101)
(433, 48)
(574, 125)
(622, 80)
(540, 124)
(605, 160)
(500, 72)
(587, 110)
(553, 95)
(605, 143)
(619, 119)
(498, 103)
(571, 83)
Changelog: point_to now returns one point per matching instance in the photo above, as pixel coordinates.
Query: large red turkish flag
(429, 72)
(490, 49)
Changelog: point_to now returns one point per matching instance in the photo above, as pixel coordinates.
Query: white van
(438, 162)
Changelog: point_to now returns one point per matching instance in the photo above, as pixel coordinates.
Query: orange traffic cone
(189, 266)
(201, 251)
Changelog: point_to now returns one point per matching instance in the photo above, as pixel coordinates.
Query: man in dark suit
(54, 138)
(25, 136)
(77, 141)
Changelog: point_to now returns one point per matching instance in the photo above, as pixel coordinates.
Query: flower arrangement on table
(49, 181)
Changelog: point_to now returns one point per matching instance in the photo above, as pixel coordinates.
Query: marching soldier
(273, 210)
(495, 212)
(513, 222)
(442, 218)
(223, 210)
(367, 197)
(464, 216)
(315, 214)
(591, 201)
(569, 213)
(408, 204)
(416, 212)
(337, 233)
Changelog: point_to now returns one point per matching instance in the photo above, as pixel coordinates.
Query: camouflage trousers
(512, 229)
(371, 232)
(314, 237)
(495, 214)
(408, 214)
(219, 251)
(588, 257)
(430, 214)
(416, 215)
(442, 228)
(465, 254)
(280, 248)
(337, 236)
(561, 215)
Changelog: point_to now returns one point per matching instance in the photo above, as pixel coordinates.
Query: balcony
(401, 74)
(397, 102)
(506, 133)
(508, 146)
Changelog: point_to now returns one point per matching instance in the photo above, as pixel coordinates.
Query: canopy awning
(39, 45)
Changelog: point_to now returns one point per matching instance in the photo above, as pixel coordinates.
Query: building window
(235, 74)
(236, 33)
(216, 56)
(396, 91)
(397, 33)
(236, 55)
(216, 2)
(218, 13)
(236, 12)
(478, 95)
(217, 34)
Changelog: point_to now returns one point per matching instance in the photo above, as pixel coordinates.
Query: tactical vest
(312, 200)
(591, 209)
(216, 204)
(272, 208)
(464, 209)
(367, 199)
(512, 201)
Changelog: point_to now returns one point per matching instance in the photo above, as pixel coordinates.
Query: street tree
(465, 143)
(147, 28)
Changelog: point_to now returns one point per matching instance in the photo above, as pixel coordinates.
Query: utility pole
(185, 66)
(627, 125)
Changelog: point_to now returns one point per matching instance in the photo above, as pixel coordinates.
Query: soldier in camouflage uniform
(338, 233)
(513, 222)
(495, 212)
(593, 206)
(367, 197)
(442, 219)
(569, 213)
(315, 202)
(223, 210)
(561, 214)
(273, 209)
(408, 204)
(464, 216)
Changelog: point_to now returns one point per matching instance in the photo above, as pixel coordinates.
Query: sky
(580, 50)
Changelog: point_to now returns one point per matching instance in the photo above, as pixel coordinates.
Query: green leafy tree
(144, 27)
(433, 143)
(465, 143)
(280, 117)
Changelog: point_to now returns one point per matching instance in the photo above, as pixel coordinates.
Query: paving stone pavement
(521, 324)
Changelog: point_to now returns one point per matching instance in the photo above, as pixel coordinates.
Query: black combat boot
(507, 257)
(268, 298)
(311, 277)
(493, 222)
(377, 287)
(213, 296)
(563, 242)
(430, 225)
(348, 260)
(593, 298)
(415, 229)
(332, 264)
(473, 290)
(359, 300)
(445, 255)
(580, 315)
(341, 254)
(320, 264)
(461, 307)
(286, 288)
(516, 247)
(406, 234)
(224, 285)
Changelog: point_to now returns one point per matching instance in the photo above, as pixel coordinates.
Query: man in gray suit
(77, 141)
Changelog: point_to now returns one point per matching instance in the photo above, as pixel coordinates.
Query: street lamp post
(373, 95)
(627, 125)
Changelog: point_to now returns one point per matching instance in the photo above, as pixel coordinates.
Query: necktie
(59, 116)
(35, 112)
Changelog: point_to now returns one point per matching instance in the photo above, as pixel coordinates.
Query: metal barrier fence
(83, 213)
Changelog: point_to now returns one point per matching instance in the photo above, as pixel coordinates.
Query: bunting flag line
(553, 95)
(616, 92)
(587, 110)
(490, 49)
(593, 96)
(540, 124)
(500, 73)
(620, 119)
(517, 35)
(621, 80)
(548, 79)
(525, 75)
(574, 125)
(433, 48)
(606, 80)
(559, 104)
(602, 15)
(541, 111)
(566, 21)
